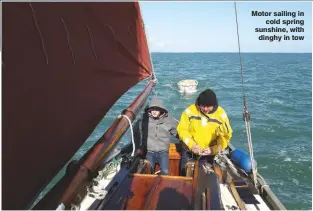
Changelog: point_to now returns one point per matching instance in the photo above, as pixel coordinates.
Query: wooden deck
(203, 188)
(138, 191)
(153, 192)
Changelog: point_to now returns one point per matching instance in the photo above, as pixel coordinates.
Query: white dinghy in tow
(187, 86)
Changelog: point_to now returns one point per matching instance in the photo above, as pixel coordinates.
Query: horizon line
(220, 52)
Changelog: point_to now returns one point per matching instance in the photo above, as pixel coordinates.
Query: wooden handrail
(195, 181)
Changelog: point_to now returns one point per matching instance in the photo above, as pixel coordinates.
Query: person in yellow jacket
(204, 129)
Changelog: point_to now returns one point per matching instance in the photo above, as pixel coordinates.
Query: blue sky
(211, 26)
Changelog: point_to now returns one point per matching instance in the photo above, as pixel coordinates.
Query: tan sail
(64, 66)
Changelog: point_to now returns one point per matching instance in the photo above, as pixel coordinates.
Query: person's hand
(195, 149)
(206, 151)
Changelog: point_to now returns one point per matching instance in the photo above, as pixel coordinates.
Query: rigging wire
(246, 114)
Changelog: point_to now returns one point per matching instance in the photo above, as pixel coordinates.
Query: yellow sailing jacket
(210, 131)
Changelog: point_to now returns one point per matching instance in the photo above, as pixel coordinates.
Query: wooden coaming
(150, 192)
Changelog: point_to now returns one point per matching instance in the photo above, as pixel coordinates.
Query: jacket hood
(156, 102)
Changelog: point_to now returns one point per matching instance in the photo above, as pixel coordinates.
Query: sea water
(279, 98)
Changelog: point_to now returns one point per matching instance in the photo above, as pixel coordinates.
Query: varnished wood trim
(239, 201)
(208, 196)
(156, 182)
(164, 176)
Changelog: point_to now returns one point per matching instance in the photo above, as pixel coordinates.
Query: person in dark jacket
(153, 132)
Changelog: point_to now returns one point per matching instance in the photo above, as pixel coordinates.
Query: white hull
(187, 86)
